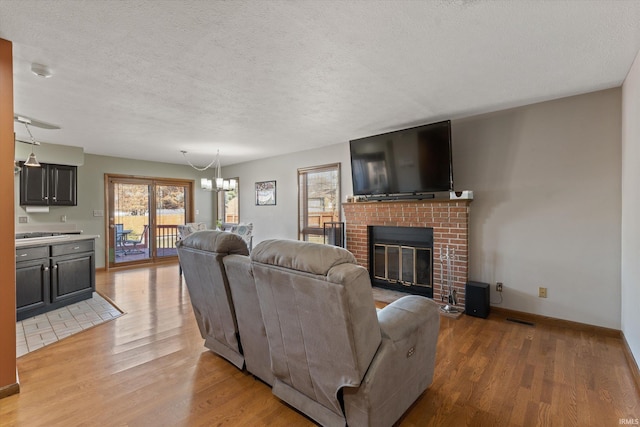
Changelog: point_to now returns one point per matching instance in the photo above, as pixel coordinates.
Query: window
(318, 200)
(229, 205)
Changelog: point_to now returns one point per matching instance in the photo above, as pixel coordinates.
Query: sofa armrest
(403, 366)
(405, 315)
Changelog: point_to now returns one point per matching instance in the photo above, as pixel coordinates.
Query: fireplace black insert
(401, 259)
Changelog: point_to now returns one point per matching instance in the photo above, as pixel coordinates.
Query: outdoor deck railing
(166, 237)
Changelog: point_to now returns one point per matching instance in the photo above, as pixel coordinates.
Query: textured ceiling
(145, 79)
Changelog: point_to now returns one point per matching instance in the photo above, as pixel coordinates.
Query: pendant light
(31, 160)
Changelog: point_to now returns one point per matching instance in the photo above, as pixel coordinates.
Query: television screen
(409, 161)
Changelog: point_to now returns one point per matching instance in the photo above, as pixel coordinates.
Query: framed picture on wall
(265, 193)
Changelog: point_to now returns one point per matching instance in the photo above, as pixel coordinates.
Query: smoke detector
(41, 70)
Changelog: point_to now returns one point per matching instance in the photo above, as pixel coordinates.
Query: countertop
(50, 240)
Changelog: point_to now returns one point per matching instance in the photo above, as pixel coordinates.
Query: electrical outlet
(498, 286)
(23, 219)
(542, 292)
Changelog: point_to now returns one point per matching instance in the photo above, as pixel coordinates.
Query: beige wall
(546, 181)
(631, 208)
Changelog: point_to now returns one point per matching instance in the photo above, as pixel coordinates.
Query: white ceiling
(145, 79)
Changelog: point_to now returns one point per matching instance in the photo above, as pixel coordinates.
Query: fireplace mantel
(448, 218)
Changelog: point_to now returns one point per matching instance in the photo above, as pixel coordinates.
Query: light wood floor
(149, 368)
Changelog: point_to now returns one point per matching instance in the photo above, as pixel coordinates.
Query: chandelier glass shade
(31, 160)
(217, 183)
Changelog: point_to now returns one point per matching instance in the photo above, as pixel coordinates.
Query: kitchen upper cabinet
(48, 185)
(34, 186)
(62, 185)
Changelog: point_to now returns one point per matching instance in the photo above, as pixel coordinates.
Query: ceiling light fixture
(33, 122)
(208, 184)
(41, 70)
(31, 161)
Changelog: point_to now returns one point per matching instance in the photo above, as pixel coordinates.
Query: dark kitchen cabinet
(72, 270)
(33, 281)
(48, 185)
(53, 275)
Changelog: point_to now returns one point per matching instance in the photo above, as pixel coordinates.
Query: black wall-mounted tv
(412, 161)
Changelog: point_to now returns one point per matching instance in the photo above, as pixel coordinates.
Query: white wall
(631, 208)
(281, 220)
(547, 208)
(91, 196)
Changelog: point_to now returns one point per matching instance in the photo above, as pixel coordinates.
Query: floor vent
(523, 322)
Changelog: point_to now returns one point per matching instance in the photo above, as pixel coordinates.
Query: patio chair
(135, 242)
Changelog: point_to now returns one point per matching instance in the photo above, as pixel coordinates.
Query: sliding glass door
(170, 211)
(143, 218)
(129, 220)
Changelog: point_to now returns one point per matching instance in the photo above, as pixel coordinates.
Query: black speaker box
(476, 299)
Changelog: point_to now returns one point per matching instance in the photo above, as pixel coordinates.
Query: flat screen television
(405, 162)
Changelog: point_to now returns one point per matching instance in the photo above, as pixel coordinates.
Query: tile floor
(36, 332)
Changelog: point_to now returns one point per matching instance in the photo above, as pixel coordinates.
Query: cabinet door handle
(45, 268)
(55, 267)
(54, 198)
(25, 254)
(46, 198)
(76, 248)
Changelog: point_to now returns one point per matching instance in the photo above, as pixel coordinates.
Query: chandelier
(208, 184)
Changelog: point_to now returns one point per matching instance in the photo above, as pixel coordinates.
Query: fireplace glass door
(405, 265)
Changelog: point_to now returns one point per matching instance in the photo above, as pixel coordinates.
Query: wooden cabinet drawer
(72, 247)
(26, 254)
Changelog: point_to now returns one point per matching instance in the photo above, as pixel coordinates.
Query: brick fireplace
(448, 218)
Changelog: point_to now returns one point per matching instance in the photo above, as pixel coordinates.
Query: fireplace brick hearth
(448, 218)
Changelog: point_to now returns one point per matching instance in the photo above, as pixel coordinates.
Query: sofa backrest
(253, 336)
(201, 254)
(320, 319)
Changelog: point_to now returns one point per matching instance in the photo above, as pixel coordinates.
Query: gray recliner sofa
(333, 356)
(218, 275)
(253, 336)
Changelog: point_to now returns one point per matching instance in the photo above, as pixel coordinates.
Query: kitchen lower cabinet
(33, 287)
(52, 276)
